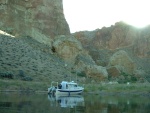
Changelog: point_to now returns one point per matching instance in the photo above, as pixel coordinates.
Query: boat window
(59, 86)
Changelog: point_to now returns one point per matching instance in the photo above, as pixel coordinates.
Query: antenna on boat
(66, 68)
(76, 77)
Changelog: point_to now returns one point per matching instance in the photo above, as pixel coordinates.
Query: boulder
(85, 66)
(96, 72)
(122, 60)
(113, 71)
(82, 60)
(67, 47)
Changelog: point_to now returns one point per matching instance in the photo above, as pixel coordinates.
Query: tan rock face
(113, 71)
(142, 44)
(96, 72)
(36, 18)
(103, 43)
(119, 36)
(67, 47)
(82, 61)
(123, 62)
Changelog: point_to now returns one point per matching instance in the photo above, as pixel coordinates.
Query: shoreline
(139, 89)
(121, 93)
(101, 93)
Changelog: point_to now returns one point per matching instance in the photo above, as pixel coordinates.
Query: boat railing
(52, 84)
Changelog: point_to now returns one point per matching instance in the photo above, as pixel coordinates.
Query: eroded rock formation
(104, 43)
(67, 47)
(123, 61)
(42, 19)
(99, 73)
(117, 36)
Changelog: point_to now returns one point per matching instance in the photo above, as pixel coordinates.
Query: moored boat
(65, 88)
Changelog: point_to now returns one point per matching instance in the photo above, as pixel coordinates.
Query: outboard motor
(51, 90)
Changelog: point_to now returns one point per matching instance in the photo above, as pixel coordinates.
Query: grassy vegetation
(128, 78)
(139, 87)
(81, 74)
(18, 85)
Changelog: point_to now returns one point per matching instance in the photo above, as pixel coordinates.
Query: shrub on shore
(8, 75)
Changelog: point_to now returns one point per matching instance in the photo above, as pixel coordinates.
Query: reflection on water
(40, 103)
(117, 104)
(68, 101)
(74, 103)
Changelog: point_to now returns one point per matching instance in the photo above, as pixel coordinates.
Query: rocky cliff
(44, 49)
(34, 24)
(103, 45)
(42, 19)
(117, 36)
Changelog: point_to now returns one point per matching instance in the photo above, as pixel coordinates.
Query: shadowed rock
(123, 62)
(67, 47)
(97, 72)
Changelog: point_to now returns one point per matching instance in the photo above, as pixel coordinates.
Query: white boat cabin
(67, 85)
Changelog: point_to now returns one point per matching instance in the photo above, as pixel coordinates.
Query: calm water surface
(43, 103)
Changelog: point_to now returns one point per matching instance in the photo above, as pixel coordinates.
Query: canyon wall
(120, 49)
(104, 43)
(42, 19)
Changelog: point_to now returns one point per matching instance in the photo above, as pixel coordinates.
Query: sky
(93, 14)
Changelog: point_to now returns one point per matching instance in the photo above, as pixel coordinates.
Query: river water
(89, 103)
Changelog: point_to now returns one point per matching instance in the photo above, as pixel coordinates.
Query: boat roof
(69, 83)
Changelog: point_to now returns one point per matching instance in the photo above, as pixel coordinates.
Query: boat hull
(68, 92)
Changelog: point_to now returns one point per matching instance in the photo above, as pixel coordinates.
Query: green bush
(128, 78)
(73, 72)
(133, 79)
(27, 78)
(124, 74)
(6, 75)
(21, 73)
(81, 74)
